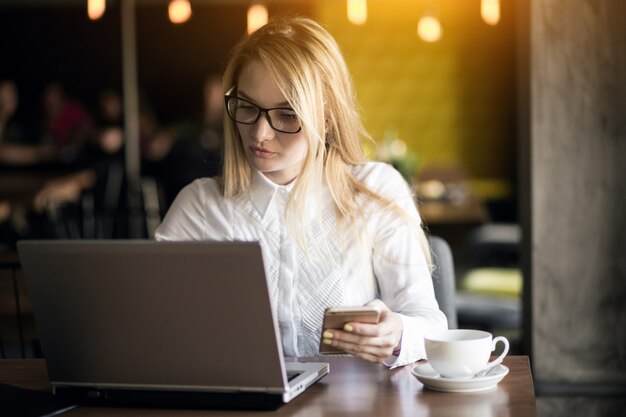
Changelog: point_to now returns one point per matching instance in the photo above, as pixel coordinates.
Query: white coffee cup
(462, 353)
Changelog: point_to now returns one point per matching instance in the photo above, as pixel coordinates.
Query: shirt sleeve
(199, 212)
(402, 270)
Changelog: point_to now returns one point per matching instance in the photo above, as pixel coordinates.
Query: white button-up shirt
(384, 261)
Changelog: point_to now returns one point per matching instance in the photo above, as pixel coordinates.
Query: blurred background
(436, 81)
(451, 99)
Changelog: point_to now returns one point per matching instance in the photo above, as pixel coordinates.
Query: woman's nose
(262, 130)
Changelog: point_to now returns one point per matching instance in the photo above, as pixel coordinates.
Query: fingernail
(327, 335)
(327, 341)
(348, 328)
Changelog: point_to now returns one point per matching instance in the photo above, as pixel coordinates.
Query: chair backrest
(443, 279)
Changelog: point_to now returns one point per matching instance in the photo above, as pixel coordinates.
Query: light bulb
(257, 17)
(429, 29)
(179, 11)
(357, 11)
(95, 9)
(490, 11)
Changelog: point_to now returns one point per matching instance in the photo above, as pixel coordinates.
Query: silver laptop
(160, 323)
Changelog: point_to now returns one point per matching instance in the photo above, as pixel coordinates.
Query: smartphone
(337, 317)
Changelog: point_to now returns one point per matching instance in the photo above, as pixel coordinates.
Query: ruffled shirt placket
(271, 199)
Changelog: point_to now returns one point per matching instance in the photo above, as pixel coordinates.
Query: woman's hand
(372, 342)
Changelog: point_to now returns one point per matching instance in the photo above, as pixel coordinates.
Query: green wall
(453, 101)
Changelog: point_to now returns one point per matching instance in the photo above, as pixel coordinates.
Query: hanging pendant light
(95, 9)
(429, 28)
(490, 11)
(179, 11)
(257, 17)
(357, 11)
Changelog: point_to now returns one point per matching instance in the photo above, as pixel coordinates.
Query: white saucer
(432, 380)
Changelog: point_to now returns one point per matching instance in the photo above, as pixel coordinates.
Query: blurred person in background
(10, 130)
(66, 123)
(197, 149)
(99, 183)
(213, 114)
(101, 149)
(18, 146)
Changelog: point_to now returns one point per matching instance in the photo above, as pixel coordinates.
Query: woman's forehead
(257, 84)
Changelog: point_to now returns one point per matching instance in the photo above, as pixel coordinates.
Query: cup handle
(500, 358)
(497, 361)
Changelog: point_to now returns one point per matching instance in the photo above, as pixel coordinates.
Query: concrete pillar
(577, 191)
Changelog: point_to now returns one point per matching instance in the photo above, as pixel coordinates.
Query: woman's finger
(355, 339)
(359, 348)
(363, 329)
(374, 352)
(358, 335)
(382, 328)
(360, 345)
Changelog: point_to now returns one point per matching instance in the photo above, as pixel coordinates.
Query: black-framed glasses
(243, 111)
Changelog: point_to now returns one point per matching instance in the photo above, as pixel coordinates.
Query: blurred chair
(489, 296)
(444, 279)
(496, 244)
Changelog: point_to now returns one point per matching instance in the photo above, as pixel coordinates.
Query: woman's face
(277, 155)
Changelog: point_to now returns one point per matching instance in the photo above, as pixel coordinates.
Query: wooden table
(353, 387)
(469, 211)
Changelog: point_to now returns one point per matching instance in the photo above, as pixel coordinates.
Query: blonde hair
(309, 69)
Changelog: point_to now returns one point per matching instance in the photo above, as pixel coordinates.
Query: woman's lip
(260, 152)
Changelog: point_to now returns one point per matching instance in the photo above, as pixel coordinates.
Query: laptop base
(170, 399)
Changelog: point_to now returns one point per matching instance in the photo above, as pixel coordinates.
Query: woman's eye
(245, 106)
(246, 109)
(287, 115)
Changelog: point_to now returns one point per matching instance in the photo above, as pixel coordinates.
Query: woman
(335, 230)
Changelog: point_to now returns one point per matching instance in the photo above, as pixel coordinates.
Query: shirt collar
(263, 190)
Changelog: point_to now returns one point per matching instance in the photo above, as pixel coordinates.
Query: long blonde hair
(307, 64)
